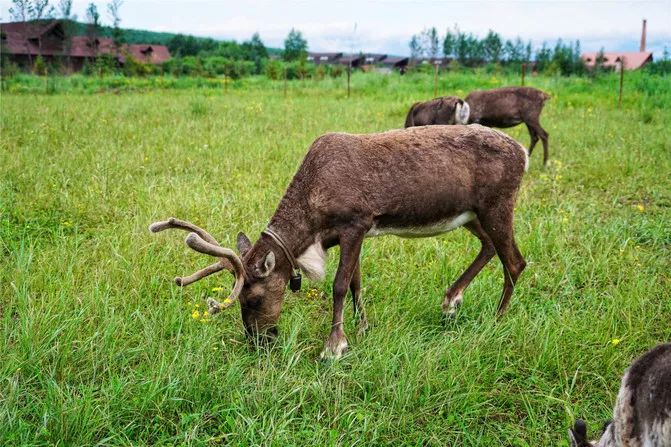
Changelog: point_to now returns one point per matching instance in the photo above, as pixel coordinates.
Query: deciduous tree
(295, 46)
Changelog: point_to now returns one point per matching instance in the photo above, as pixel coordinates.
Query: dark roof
(28, 30)
(83, 46)
(25, 37)
(323, 58)
(395, 61)
(355, 59)
(373, 58)
(152, 54)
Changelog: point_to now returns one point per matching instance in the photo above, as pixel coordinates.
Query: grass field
(98, 347)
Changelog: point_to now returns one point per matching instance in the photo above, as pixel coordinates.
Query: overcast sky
(386, 25)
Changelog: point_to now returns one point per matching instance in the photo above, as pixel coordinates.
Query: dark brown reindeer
(416, 182)
(444, 110)
(500, 107)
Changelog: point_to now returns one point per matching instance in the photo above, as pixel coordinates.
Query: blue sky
(387, 25)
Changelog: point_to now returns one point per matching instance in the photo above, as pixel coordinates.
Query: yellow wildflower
(227, 301)
(195, 315)
(640, 208)
(615, 341)
(217, 289)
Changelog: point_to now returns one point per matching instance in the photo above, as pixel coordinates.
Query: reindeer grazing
(416, 182)
(642, 415)
(444, 110)
(500, 107)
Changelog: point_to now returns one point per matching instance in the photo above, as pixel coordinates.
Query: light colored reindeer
(642, 414)
(416, 182)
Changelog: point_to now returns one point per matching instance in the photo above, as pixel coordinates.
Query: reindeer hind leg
(533, 138)
(498, 224)
(454, 295)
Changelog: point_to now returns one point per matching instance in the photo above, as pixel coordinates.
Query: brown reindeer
(416, 182)
(499, 107)
(444, 110)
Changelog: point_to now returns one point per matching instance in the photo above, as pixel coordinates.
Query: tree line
(209, 56)
(200, 56)
(470, 50)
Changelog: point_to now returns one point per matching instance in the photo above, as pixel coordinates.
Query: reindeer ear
(244, 244)
(268, 264)
(580, 428)
(578, 434)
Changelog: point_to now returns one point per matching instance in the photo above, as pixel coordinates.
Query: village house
(23, 42)
(367, 61)
(632, 60)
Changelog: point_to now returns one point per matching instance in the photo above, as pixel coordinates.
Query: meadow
(98, 347)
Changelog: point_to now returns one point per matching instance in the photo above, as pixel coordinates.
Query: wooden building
(23, 42)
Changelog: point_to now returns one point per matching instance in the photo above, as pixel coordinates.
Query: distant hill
(132, 35)
(152, 37)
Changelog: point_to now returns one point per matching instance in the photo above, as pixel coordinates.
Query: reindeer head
(260, 279)
(263, 292)
(452, 110)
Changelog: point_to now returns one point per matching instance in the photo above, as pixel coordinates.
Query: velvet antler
(203, 242)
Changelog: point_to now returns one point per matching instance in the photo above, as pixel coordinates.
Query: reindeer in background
(499, 107)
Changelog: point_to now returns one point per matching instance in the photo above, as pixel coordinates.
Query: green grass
(99, 347)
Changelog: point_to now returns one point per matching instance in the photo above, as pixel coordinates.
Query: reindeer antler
(203, 242)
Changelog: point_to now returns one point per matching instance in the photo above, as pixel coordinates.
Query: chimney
(643, 36)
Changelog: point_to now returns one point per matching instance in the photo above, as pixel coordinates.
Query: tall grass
(98, 346)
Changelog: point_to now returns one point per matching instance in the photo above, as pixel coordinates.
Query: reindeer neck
(291, 222)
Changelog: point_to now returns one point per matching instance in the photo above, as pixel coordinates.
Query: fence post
(349, 74)
(435, 79)
(524, 69)
(619, 101)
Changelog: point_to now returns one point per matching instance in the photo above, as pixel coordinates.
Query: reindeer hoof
(451, 306)
(334, 349)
